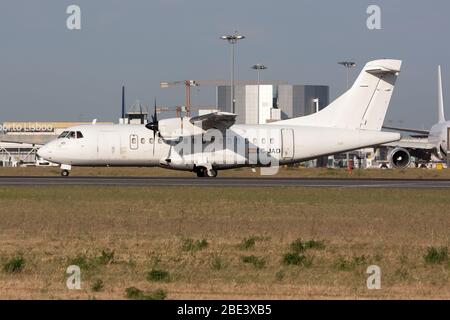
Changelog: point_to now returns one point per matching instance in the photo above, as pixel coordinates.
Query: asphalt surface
(223, 182)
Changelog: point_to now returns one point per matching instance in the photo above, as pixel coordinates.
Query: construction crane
(195, 83)
(188, 84)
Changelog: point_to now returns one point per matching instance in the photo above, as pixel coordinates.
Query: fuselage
(240, 145)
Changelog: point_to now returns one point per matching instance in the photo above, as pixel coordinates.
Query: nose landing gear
(65, 170)
(65, 173)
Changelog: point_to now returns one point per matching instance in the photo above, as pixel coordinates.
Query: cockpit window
(79, 135)
(71, 135)
(63, 134)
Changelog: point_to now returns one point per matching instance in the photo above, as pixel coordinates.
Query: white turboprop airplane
(426, 143)
(211, 142)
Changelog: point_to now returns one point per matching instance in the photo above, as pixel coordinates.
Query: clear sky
(48, 72)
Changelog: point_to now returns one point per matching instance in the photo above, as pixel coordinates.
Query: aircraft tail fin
(364, 105)
(440, 97)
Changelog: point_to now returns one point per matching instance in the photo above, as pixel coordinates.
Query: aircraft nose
(43, 152)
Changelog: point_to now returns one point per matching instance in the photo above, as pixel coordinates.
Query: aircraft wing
(419, 131)
(412, 143)
(217, 120)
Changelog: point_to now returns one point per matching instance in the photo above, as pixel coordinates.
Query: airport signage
(16, 127)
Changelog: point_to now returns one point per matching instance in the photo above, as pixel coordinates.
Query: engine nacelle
(399, 158)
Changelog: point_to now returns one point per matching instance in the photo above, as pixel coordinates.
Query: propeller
(153, 126)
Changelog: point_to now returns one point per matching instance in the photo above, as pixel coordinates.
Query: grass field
(199, 243)
(242, 172)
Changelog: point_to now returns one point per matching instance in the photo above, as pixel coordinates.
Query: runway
(222, 182)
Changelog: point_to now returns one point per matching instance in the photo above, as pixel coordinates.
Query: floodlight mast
(232, 39)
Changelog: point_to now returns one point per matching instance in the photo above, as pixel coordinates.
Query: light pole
(258, 67)
(348, 65)
(232, 39)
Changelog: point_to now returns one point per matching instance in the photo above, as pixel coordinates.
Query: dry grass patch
(224, 243)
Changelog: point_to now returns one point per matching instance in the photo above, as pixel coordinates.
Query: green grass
(86, 262)
(299, 245)
(217, 263)
(248, 243)
(157, 275)
(257, 262)
(436, 255)
(98, 285)
(106, 257)
(15, 264)
(297, 259)
(349, 264)
(137, 294)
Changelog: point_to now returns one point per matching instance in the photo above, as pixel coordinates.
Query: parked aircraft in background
(424, 143)
(207, 143)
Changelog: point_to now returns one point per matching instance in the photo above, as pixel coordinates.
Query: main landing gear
(204, 172)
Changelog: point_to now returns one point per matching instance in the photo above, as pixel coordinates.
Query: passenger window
(272, 140)
(79, 135)
(159, 140)
(142, 141)
(255, 141)
(151, 140)
(133, 140)
(263, 140)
